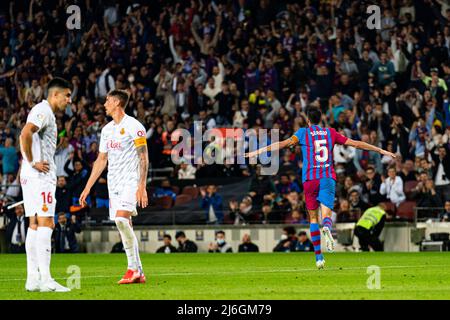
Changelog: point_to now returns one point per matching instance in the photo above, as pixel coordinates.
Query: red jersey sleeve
(337, 137)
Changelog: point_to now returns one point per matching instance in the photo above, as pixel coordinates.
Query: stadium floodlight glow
(225, 146)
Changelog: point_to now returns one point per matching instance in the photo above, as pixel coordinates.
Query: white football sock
(32, 256)
(138, 258)
(44, 252)
(128, 240)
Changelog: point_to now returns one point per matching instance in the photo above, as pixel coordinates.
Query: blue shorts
(319, 191)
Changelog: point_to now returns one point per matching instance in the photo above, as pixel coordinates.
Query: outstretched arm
(274, 146)
(366, 146)
(97, 169)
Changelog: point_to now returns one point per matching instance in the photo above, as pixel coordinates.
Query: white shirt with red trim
(120, 141)
(43, 145)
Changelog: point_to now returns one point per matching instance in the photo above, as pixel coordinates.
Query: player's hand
(387, 153)
(42, 166)
(83, 197)
(142, 198)
(251, 154)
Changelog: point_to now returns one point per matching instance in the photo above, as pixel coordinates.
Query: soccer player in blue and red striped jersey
(318, 175)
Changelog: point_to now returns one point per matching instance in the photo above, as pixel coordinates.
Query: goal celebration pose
(318, 175)
(123, 146)
(38, 181)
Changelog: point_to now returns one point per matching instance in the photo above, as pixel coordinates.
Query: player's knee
(313, 216)
(121, 222)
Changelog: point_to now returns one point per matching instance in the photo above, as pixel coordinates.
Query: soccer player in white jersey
(123, 146)
(38, 180)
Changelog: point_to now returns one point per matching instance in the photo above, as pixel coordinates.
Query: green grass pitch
(241, 276)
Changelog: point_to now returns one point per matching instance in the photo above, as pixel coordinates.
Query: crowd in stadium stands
(242, 64)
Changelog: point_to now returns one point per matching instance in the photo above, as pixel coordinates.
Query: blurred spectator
(167, 247)
(407, 173)
(64, 234)
(285, 185)
(165, 190)
(288, 241)
(392, 187)
(63, 153)
(242, 213)
(371, 187)
(426, 195)
(441, 171)
(212, 202)
(63, 196)
(270, 214)
(247, 245)
(260, 186)
(101, 191)
(78, 178)
(16, 230)
(444, 216)
(356, 203)
(297, 217)
(220, 245)
(9, 158)
(184, 244)
(186, 171)
(364, 158)
(303, 243)
(344, 213)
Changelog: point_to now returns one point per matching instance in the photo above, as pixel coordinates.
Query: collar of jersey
(121, 121)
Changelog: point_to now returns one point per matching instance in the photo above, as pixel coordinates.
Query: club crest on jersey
(44, 208)
(122, 131)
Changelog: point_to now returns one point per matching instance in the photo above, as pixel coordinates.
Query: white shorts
(123, 200)
(38, 197)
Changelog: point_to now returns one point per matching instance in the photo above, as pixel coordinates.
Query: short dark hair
(314, 115)
(289, 230)
(58, 83)
(61, 214)
(122, 95)
(220, 231)
(168, 237)
(302, 233)
(180, 234)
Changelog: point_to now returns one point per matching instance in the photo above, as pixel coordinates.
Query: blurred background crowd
(241, 64)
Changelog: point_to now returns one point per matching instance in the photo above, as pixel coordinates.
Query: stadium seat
(406, 210)
(390, 208)
(176, 189)
(182, 199)
(164, 202)
(192, 191)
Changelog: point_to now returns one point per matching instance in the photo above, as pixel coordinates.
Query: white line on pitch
(250, 271)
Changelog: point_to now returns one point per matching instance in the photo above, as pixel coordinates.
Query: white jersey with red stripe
(43, 145)
(120, 141)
